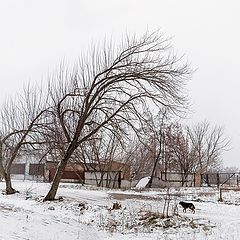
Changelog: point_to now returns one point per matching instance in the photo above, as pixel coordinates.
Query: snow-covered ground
(89, 213)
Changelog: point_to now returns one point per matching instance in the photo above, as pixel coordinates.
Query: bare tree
(173, 147)
(20, 123)
(180, 150)
(208, 144)
(139, 155)
(144, 150)
(158, 128)
(194, 149)
(115, 84)
(101, 154)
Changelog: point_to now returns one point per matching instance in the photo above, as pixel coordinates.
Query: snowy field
(91, 214)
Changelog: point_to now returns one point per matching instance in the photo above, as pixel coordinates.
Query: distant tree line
(174, 147)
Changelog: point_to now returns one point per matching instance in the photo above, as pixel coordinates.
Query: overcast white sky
(37, 35)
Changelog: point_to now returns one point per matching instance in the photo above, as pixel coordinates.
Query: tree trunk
(9, 188)
(6, 174)
(155, 163)
(58, 175)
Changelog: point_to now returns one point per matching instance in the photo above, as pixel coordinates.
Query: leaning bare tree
(21, 120)
(115, 84)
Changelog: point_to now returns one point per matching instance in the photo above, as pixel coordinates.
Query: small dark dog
(186, 205)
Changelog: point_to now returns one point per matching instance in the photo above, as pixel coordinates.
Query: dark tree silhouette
(110, 88)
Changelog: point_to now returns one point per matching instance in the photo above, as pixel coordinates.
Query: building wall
(73, 172)
(118, 166)
(28, 171)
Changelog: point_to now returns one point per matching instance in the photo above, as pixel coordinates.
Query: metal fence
(198, 180)
(220, 179)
